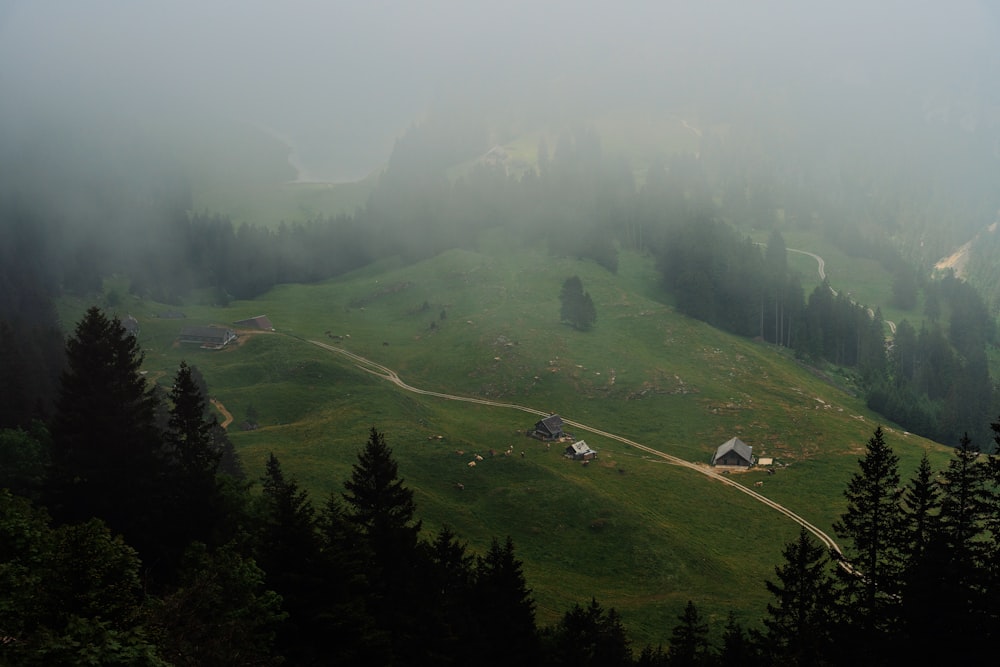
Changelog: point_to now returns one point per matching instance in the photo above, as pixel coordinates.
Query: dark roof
(553, 424)
(742, 449)
(260, 322)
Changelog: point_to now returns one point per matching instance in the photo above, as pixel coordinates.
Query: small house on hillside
(261, 323)
(214, 338)
(580, 451)
(733, 452)
(549, 428)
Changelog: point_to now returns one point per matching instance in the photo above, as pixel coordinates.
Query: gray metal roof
(744, 450)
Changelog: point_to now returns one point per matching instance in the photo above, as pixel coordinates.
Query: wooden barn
(549, 428)
(580, 451)
(733, 452)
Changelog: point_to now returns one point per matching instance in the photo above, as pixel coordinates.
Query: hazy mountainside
(640, 535)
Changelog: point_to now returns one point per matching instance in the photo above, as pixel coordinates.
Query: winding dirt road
(821, 268)
(388, 374)
(227, 417)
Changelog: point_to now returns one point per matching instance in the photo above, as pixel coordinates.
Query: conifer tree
(382, 510)
(798, 621)
(689, 639)
(577, 307)
(189, 434)
(378, 503)
(504, 603)
(874, 524)
(288, 550)
(922, 574)
(737, 647)
(590, 635)
(958, 553)
(106, 452)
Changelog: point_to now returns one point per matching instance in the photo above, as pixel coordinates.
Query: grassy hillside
(637, 533)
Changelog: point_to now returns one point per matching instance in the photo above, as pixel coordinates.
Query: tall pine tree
(875, 525)
(106, 450)
(798, 624)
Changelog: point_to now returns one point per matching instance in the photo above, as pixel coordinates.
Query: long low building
(208, 337)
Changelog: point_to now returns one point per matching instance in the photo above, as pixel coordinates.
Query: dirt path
(388, 374)
(227, 417)
(821, 268)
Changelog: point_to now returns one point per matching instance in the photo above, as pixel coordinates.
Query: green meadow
(630, 529)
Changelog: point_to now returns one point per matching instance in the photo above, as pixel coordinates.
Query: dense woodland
(131, 535)
(687, 213)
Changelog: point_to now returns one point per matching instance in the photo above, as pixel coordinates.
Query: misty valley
(681, 354)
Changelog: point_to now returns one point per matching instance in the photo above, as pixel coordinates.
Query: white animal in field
(472, 464)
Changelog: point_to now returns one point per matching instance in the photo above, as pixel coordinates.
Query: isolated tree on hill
(577, 306)
(875, 525)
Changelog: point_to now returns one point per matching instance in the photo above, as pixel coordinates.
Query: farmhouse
(261, 323)
(214, 338)
(734, 452)
(580, 451)
(550, 428)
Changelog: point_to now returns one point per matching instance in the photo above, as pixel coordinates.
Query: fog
(341, 81)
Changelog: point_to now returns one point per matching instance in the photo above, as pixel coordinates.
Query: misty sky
(356, 74)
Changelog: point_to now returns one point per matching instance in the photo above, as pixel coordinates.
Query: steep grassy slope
(637, 533)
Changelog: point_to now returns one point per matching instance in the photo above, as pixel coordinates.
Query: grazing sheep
(472, 464)
(478, 457)
(758, 483)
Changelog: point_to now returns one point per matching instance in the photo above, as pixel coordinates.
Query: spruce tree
(577, 307)
(288, 550)
(189, 434)
(378, 503)
(106, 450)
(689, 639)
(958, 553)
(874, 524)
(382, 510)
(922, 573)
(503, 603)
(798, 622)
(590, 636)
